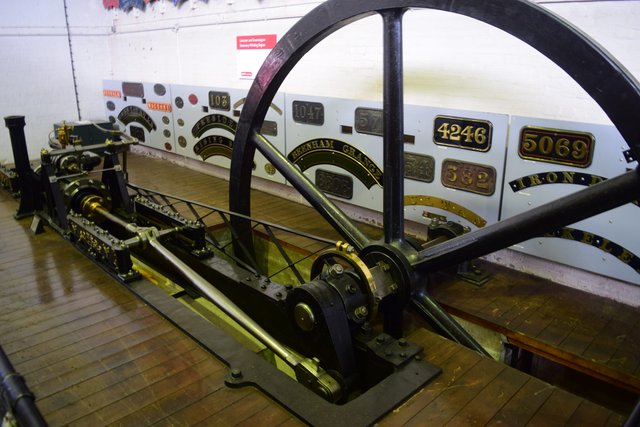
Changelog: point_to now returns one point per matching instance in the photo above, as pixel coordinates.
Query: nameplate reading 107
(219, 100)
(469, 134)
(308, 113)
(561, 147)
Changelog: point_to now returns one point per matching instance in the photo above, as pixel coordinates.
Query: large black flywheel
(601, 76)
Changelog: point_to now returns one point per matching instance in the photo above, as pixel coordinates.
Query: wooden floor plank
(94, 355)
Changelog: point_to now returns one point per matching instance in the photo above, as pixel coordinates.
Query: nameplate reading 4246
(459, 132)
(562, 147)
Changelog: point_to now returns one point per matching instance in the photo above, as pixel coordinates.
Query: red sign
(111, 93)
(159, 106)
(264, 41)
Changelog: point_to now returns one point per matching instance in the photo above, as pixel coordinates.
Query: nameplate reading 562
(471, 177)
(469, 134)
(562, 147)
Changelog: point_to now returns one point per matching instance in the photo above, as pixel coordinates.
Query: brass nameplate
(308, 113)
(136, 114)
(446, 205)
(137, 132)
(219, 100)
(214, 121)
(466, 176)
(269, 128)
(562, 147)
(557, 177)
(327, 151)
(598, 242)
(335, 184)
(419, 167)
(459, 132)
(369, 121)
(133, 89)
(213, 145)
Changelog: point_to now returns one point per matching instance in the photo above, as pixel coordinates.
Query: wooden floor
(94, 355)
(594, 335)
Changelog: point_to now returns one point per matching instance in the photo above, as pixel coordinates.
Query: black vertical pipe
(20, 398)
(393, 180)
(29, 195)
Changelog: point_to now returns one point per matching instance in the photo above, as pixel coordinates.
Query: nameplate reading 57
(468, 134)
(562, 147)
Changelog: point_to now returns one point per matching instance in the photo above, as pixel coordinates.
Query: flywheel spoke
(568, 210)
(393, 131)
(311, 193)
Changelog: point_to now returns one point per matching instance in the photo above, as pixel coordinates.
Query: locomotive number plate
(471, 177)
(335, 183)
(469, 134)
(369, 121)
(556, 146)
(219, 100)
(308, 113)
(419, 167)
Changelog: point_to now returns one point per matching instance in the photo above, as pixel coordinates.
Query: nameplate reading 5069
(562, 147)
(469, 134)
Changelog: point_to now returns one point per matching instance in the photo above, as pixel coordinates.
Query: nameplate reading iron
(335, 184)
(558, 177)
(598, 242)
(214, 121)
(219, 100)
(133, 89)
(419, 167)
(326, 151)
(459, 132)
(561, 147)
(132, 113)
(308, 113)
(213, 145)
(369, 121)
(466, 176)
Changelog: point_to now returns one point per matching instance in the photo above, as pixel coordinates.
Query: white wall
(35, 70)
(450, 61)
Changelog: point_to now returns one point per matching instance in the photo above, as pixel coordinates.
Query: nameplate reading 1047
(219, 100)
(468, 134)
(561, 147)
(471, 177)
(308, 113)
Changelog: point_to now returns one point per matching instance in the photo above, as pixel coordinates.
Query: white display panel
(206, 119)
(344, 137)
(321, 138)
(608, 243)
(468, 150)
(142, 110)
